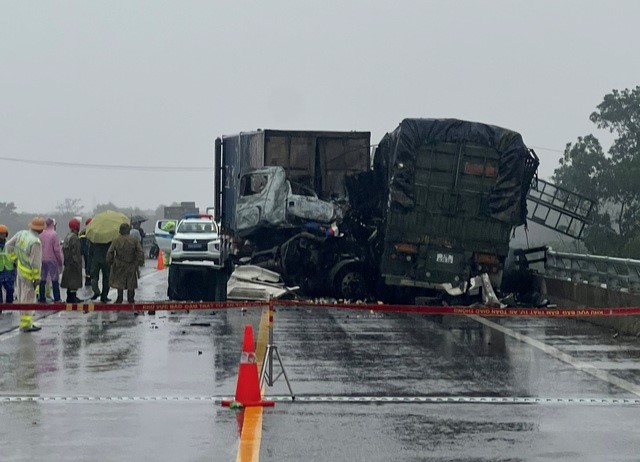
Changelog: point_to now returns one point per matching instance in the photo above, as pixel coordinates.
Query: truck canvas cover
(396, 156)
(446, 193)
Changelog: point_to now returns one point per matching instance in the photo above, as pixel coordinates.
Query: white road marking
(555, 353)
(9, 335)
(331, 399)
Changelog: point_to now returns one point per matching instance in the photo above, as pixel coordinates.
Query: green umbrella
(105, 226)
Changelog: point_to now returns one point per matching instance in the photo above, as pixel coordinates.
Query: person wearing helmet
(28, 250)
(7, 268)
(72, 272)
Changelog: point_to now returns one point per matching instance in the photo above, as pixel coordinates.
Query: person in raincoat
(26, 246)
(98, 257)
(52, 260)
(125, 255)
(84, 248)
(7, 268)
(72, 272)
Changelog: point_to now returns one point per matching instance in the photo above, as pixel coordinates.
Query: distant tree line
(612, 178)
(72, 207)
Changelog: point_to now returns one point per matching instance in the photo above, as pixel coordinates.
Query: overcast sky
(153, 83)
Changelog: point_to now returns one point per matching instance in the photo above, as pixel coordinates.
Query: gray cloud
(154, 83)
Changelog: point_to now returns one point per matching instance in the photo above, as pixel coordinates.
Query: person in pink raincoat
(52, 260)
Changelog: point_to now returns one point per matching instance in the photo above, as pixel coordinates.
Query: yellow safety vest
(168, 225)
(26, 240)
(6, 262)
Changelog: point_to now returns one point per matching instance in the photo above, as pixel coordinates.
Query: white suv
(197, 241)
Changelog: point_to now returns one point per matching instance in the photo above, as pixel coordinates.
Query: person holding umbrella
(102, 230)
(125, 255)
(136, 222)
(84, 249)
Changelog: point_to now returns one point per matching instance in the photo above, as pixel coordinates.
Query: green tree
(612, 178)
(69, 208)
(7, 209)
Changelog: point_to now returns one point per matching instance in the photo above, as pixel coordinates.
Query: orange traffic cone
(248, 387)
(160, 265)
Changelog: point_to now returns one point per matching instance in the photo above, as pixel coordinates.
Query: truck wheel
(350, 283)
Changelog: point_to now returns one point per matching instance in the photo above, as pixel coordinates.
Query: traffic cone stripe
(247, 358)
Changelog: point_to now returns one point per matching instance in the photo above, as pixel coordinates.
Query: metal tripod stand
(266, 374)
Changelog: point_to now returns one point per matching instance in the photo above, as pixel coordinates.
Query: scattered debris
(250, 282)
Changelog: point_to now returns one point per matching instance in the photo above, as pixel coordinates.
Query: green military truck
(446, 195)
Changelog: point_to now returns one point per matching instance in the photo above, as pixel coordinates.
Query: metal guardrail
(621, 274)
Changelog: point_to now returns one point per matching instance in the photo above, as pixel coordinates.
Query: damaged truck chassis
(434, 212)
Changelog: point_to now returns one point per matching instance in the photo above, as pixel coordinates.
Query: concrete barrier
(580, 295)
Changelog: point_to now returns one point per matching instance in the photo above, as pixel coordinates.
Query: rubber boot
(120, 296)
(27, 325)
(72, 297)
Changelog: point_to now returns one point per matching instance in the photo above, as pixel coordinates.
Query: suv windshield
(197, 227)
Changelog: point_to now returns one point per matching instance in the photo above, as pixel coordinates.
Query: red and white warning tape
(419, 309)
(472, 310)
(142, 306)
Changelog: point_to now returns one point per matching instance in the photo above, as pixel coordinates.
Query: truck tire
(350, 283)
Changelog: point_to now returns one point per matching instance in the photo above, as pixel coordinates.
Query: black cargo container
(319, 160)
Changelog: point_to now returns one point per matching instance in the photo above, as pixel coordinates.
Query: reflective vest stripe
(6, 263)
(31, 274)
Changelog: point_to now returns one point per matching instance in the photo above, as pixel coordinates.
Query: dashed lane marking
(330, 399)
(556, 353)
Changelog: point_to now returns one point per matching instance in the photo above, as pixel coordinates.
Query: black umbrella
(138, 219)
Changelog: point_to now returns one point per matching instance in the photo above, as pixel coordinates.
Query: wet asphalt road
(172, 369)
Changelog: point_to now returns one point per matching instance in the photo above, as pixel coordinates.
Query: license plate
(444, 258)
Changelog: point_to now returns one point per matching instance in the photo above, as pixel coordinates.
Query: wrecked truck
(280, 198)
(445, 196)
(433, 212)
